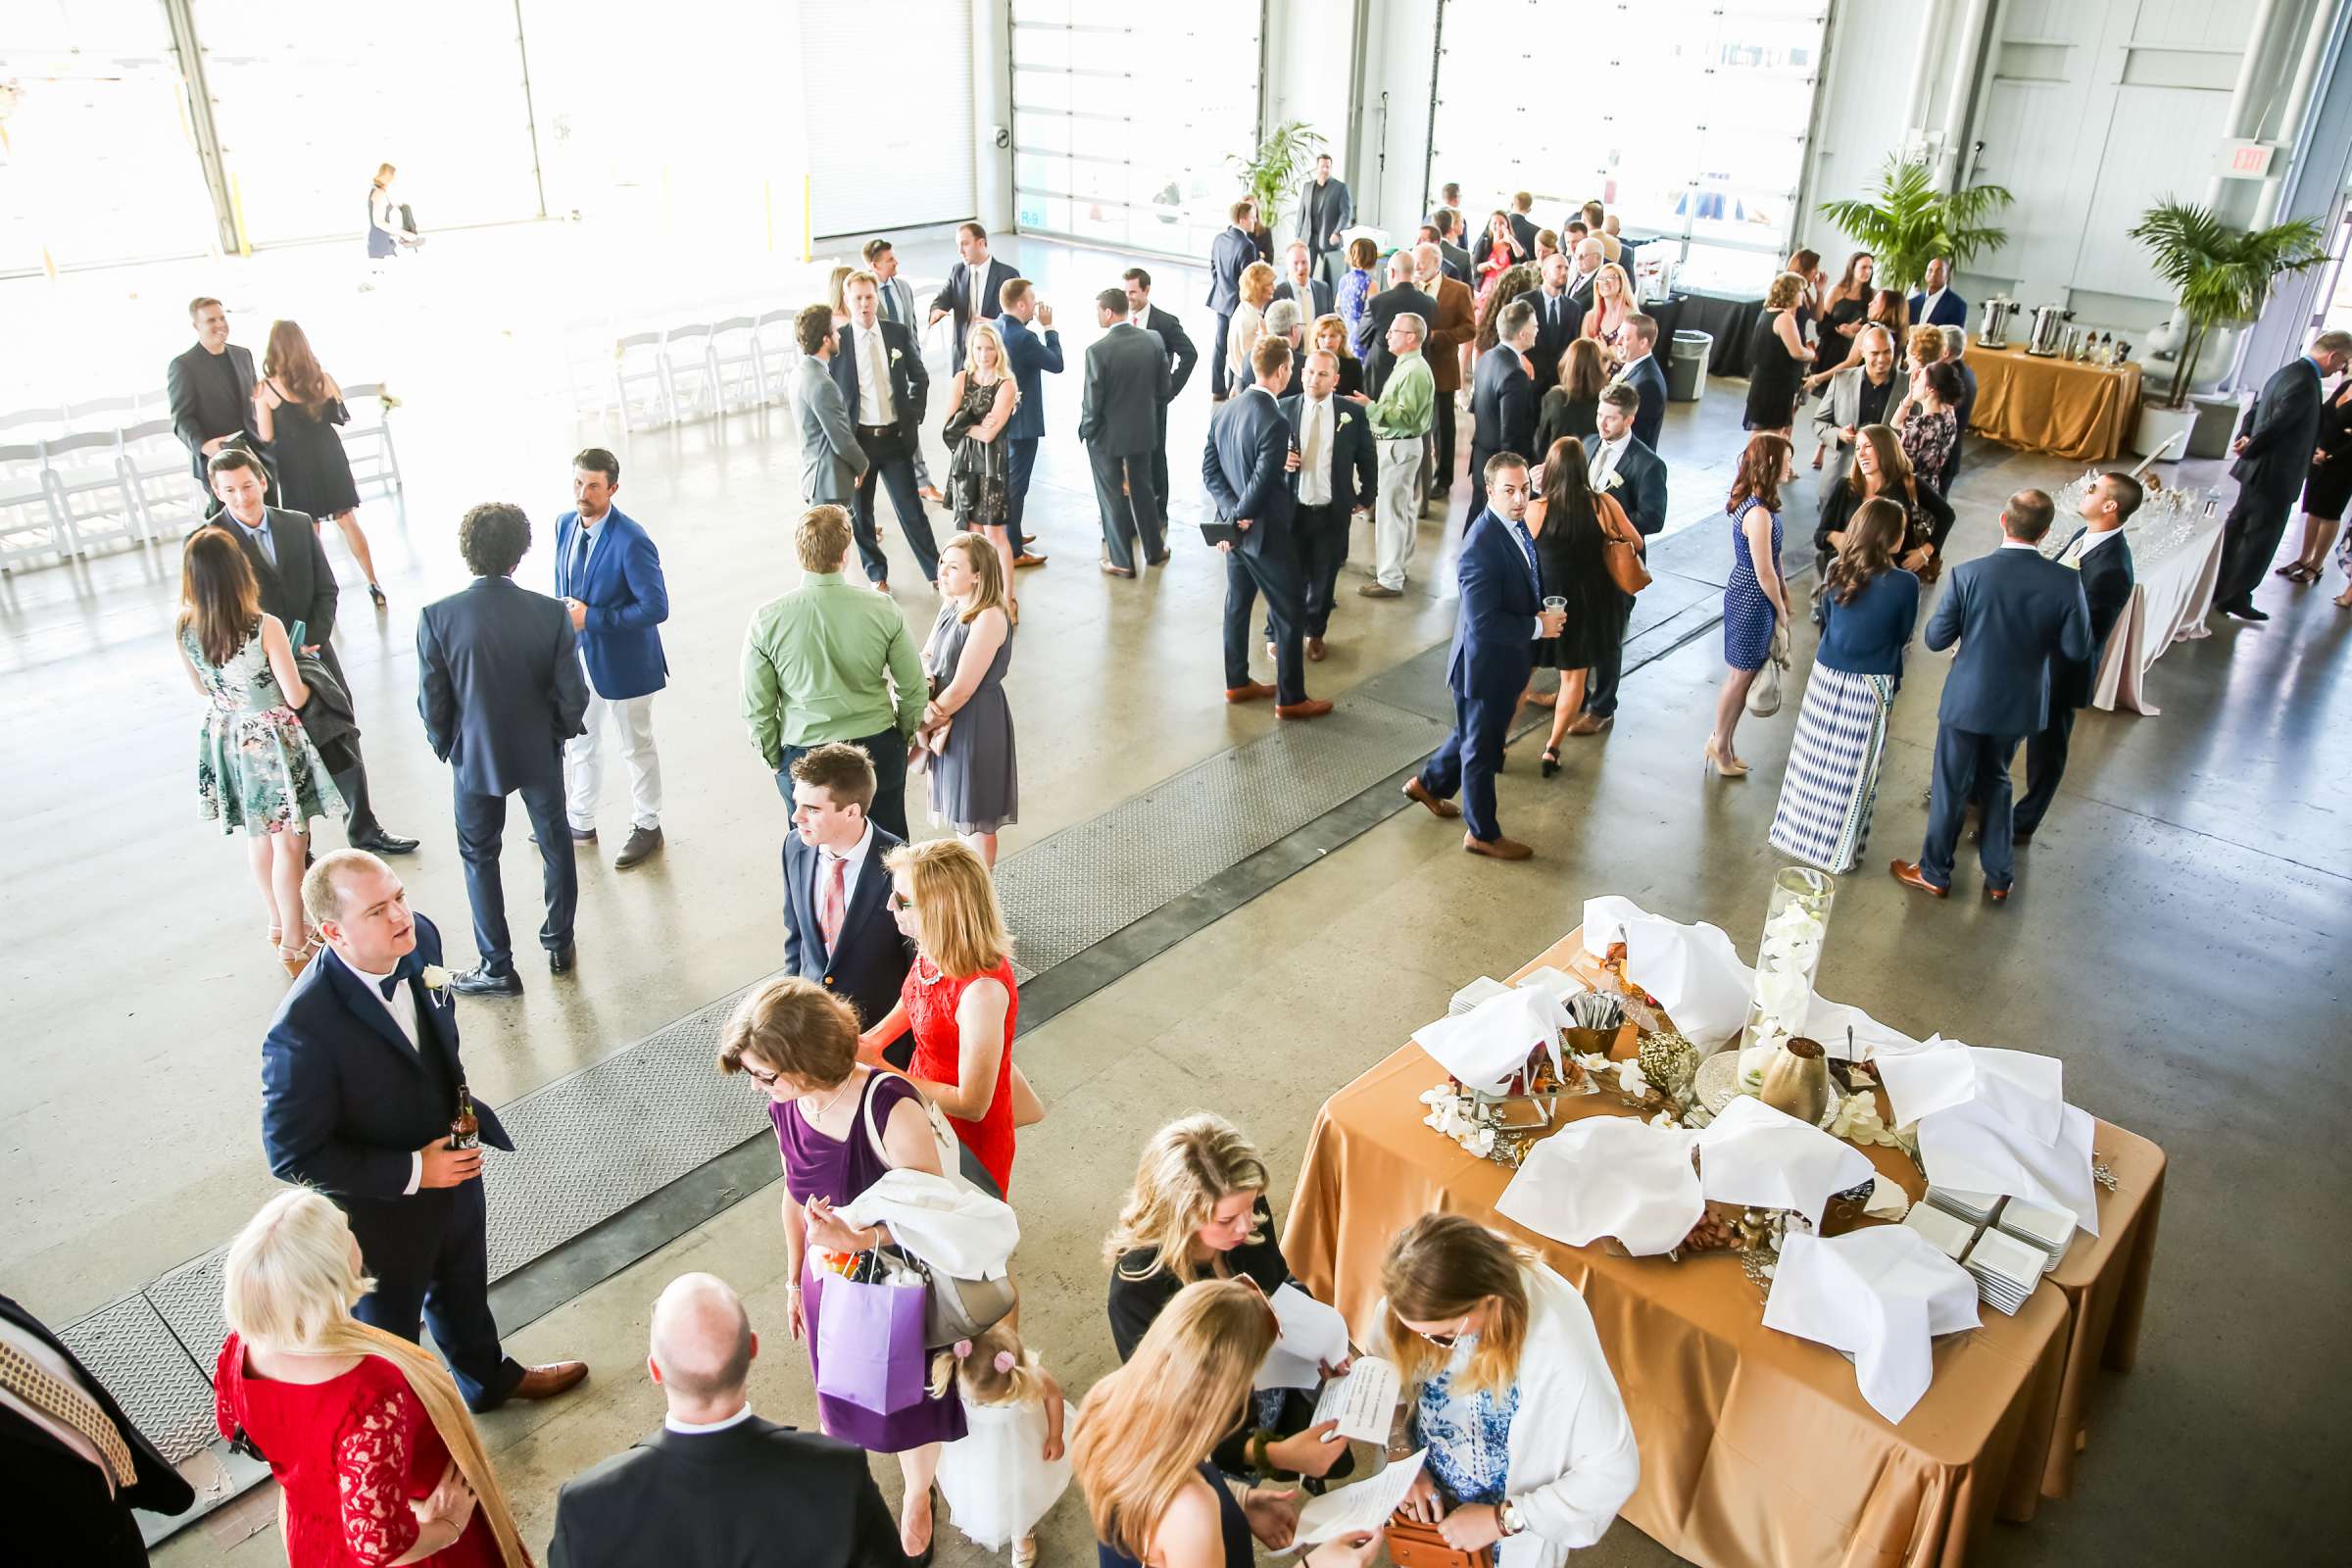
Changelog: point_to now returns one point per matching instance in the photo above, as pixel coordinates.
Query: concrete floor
(2174, 939)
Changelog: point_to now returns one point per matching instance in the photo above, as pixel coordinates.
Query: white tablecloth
(2172, 591)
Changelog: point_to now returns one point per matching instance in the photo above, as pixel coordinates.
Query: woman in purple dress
(800, 1044)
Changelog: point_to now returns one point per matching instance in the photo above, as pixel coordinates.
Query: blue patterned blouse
(1468, 1437)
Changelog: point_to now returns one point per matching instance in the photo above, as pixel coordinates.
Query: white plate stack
(1978, 1208)
(1948, 1233)
(1485, 988)
(2006, 1269)
(2042, 1225)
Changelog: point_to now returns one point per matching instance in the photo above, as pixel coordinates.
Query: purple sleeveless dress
(817, 1167)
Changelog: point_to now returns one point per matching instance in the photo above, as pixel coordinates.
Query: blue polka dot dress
(1748, 615)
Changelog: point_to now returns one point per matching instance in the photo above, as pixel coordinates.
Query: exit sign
(2247, 160)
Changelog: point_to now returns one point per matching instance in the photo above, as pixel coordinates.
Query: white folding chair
(735, 366)
(686, 367)
(154, 467)
(35, 423)
(101, 414)
(637, 362)
(92, 504)
(780, 352)
(28, 524)
(374, 463)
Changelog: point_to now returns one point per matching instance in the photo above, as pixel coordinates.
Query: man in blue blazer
(2274, 447)
(838, 928)
(1937, 304)
(1501, 614)
(361, 1080)
(2100, 553)
(974, 289)
(1033, 348)
(500, 689)
(1640, 372)
(1334, 475)
(1246, 466)
(1229, 254)
(608, 577)
(2013, 614)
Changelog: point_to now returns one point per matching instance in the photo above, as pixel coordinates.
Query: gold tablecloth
(1756, 1446)
(2083, 412)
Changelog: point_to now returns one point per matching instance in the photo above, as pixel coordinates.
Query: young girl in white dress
(1003, 1476)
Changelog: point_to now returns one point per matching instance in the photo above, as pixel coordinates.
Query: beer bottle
(465, 1132)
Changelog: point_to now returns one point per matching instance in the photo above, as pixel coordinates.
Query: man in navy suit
(608, 577)
(1246, 467)
(2103, 556)
(2013, 614)
(1334, 471)
(1182, 357)
(1640, 372)
(1937, 304)
(1033, 348)
(974, 289)
(1501, 614)
(838, 926)
(2274, 447)
(1301, 286)
(1559, 316)
(359, 1086)
(1503, 397)
(499, 685)
(1622, 465)
(879, 368)
(1228, 255)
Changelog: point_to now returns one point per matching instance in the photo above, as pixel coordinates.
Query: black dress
(1773, 380)
(313, 476)
(1232, 1530)
(1572, 568)
(1562, 416)
(2329, 485)
(1351, 376)
(1832, 348)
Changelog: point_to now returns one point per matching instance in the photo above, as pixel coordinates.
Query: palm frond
(1908, 223)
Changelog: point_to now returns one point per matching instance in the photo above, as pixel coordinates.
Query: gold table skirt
(2084, 411)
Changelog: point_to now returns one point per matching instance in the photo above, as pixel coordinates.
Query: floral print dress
(1468, 1436)
(256, 768)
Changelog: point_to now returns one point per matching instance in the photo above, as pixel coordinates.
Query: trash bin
(1686, 367)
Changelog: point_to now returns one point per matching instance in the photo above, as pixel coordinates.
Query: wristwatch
(1510, 1518)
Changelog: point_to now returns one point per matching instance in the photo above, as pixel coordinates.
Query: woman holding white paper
(1197, 1211)
(1529, 1449)
(1142, 1443)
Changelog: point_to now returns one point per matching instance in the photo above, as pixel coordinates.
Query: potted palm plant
(1278, 168)
(1907, 223)
(2222, 276)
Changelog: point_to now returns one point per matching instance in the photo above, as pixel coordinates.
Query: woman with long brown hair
(296, 407)
(1521, 279)
(256, 767)
(1509, 1393)
(1756, 602)
(1573, 525)
(1142, 1438)
(1573, 407)
(1833, 778)
(1880, 468)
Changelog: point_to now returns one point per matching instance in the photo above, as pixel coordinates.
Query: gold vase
(1796, 1080)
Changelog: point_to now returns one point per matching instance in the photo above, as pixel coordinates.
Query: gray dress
(975, 780)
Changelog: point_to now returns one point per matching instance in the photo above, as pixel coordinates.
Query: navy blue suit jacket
(2013, 614)
(1557, 326)
(1502, 410)
(1032, 355)
(345, 1099)
(1248, 443)
(1317, 302)
(1355, 469)
(2280, 430)
(499, 685)
(909, 382)
(628, 598)
(2107, 576)
(1494, 636)
(1229, 256)
(1950, 311)
(955, 298)
(872, 960)
(1651, 382)
(1642, 495)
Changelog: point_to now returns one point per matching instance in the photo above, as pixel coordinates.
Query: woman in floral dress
(256, 768)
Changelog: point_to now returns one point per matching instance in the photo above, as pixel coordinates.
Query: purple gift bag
(870, 1343)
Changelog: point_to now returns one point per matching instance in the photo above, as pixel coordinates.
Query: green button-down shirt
(1408, 405)
(829, 663)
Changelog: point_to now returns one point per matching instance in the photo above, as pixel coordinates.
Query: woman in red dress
(377, 1462)
(959, 997)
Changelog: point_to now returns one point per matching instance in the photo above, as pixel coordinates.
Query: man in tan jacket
(1450, 333)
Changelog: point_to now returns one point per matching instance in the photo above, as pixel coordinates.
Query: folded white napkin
(1608, 1176)
(1976, 1146)
(1693, 970)
(2022, 1088)
(1880, 1294)
(1485, 1046)
(1765, 1158)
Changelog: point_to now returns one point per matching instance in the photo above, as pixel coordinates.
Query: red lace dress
(349, 1452)
(931, 999)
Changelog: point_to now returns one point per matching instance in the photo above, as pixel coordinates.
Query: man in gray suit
(1126, 382)
(2012, 612)
(831, 460)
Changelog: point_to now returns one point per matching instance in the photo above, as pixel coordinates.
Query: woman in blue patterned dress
(1529, 1449)
(256, 768)
(1355, 288)
(1756, 602)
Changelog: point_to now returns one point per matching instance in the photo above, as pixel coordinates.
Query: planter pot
(2217, 419)
(2159, 424)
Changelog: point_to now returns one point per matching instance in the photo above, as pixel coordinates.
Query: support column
(184, 44)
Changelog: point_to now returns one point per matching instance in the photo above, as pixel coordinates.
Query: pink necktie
(831, 904)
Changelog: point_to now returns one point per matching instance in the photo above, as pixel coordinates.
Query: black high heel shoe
(1552, 760)
(376, 594)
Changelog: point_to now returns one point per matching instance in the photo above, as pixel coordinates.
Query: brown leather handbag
(1622, 553)
(1414, 1544)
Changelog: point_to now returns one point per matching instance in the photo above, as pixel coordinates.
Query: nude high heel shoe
(1728, 766)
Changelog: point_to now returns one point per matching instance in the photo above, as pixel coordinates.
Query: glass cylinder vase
(1797, 922)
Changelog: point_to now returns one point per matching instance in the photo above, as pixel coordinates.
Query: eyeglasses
(765, 1080)
(1443, 1341)
(901, 903)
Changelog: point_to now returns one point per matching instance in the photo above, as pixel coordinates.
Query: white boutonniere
(435, 978)
(896, 355)
(1613, 481)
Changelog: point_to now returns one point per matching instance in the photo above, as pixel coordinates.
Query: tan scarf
(437, 1392)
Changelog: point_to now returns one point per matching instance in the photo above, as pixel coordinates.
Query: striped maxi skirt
(1833, 777)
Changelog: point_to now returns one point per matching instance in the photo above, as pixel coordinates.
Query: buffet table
(2083, 412)
(1757, 1447)
(2172, 594)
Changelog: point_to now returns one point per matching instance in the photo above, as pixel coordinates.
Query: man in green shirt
(832, 662)
(1402, 418)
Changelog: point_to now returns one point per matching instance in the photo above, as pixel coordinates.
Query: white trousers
(1397, 509)
(584, 760)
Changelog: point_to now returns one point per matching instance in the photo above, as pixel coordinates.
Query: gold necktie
(68, 1406)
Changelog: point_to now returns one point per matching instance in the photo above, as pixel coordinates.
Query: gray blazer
(1126, 382)
(831, 460)
(1843, 407)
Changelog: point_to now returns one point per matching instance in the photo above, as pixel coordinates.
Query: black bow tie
(388, 984)
(402, 971)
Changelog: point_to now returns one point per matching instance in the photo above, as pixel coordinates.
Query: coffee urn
(2048, 336)
(1994, 334)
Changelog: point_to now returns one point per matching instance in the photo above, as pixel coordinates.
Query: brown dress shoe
(1256, 691)
(1312, 707)
(1374, 590)
(1314, 649)
(1997, 894)
(1027, 559)
(1587, 724)
(1414, 790)
(545, 1382)
(1497, 848)
(1110, 571)
(1907, 872)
